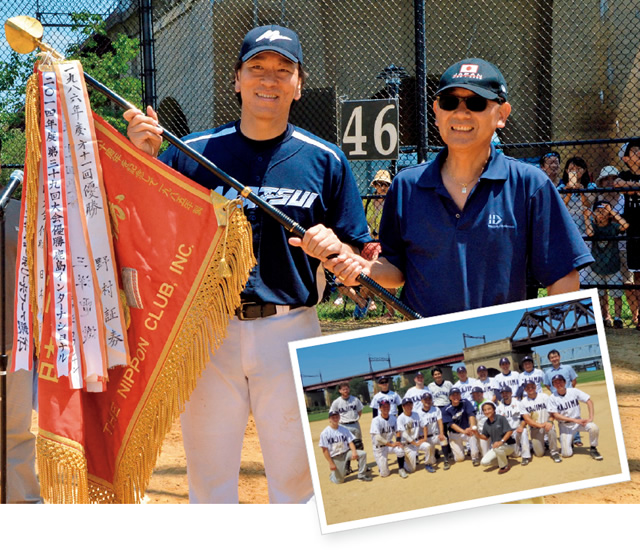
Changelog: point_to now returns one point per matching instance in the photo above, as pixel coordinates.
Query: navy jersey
(455, 259)
(303, 176)
(459, 415)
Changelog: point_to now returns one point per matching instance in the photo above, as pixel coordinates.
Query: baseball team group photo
(451, 428)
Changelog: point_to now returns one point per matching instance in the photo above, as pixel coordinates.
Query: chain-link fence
(571, 66)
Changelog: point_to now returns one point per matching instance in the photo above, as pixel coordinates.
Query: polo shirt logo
(494, 220)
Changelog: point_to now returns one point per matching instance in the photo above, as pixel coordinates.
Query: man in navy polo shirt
(459, 232)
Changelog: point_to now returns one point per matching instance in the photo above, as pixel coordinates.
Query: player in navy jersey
(310, 181)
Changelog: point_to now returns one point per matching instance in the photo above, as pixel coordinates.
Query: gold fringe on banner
(30, 189)
(204, 328)
(63, 470)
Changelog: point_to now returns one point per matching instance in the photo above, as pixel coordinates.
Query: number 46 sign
(369, 129)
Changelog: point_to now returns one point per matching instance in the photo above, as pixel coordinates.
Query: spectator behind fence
(373, 207)
(576, 176)
(631, 178)
(550, 165)
(606, 225)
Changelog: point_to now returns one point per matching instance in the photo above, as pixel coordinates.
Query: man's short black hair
(552, 351)
(436, 369)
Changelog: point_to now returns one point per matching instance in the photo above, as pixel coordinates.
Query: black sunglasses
(474, 103)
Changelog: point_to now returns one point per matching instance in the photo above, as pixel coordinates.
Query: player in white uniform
(338, 448)
(486, 383)
(433, 431)
(465, 383)
(439, 388)
(477, 400)
(385, 393)
(383, 434)
(411, 435)
(534, 407)
(415, 393)
(565, 408)
(507, 376)
(511, 411)
(350, 409)
(529, 372)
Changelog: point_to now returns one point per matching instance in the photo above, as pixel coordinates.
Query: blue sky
(351, 357)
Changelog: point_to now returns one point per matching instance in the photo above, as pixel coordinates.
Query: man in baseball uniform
(433, 432)
(350, 409)
(534, 407)
(310, 181)
(338, 448)
(439, 388)
(511, 411)
(529, 372)
(565, 408)
(478, 399)
(498, 431)
(507, 377)
(465, 383)
(415, 393)
(411, 435)
(384, 440)
(460, 417)
(486, 383)
(385, 393)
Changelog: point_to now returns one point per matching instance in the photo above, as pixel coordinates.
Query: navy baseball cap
(454, 390)
(332, 413)
(504, 387)
(426, 395)
(272, 38)
(527, 358)
(383, 379)
(384, 402)
(461, 368)
(504, 361)
(558, 377)
(407, 401)
(481, 367)
(477, 389)
(476, 75)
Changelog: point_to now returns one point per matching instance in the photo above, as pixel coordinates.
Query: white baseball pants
(411, 455)
(537, 440)
(381, 456)
(338, 475)
(568, 431)
(457, 442)
(251, 371)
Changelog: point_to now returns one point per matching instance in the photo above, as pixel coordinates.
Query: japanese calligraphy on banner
(123, 305)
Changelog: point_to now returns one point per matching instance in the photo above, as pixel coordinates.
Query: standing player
(415, 393)
(411, 435)
(465, 383)
(507, 377)
(338, 448)
(282, 163)
(529, 372)
(385, 393)
(460, 417)
(565, 408)
(434, 433)
(498, 431)
(350, 409)
(477, 400)
(383, 434)
(534, 408)
(486, 383)
(439, 388)
(511, 411)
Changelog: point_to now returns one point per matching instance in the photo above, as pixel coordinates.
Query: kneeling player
(460, 417)
(433, 428)
(511, 411)
(534, 407)
(565, 408)
(409, 433)
(338, 448)
(497, 430)
(383, 433)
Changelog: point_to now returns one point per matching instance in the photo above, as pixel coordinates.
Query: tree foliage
(107, 57)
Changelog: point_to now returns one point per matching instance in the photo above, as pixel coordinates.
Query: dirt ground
(169, 482)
